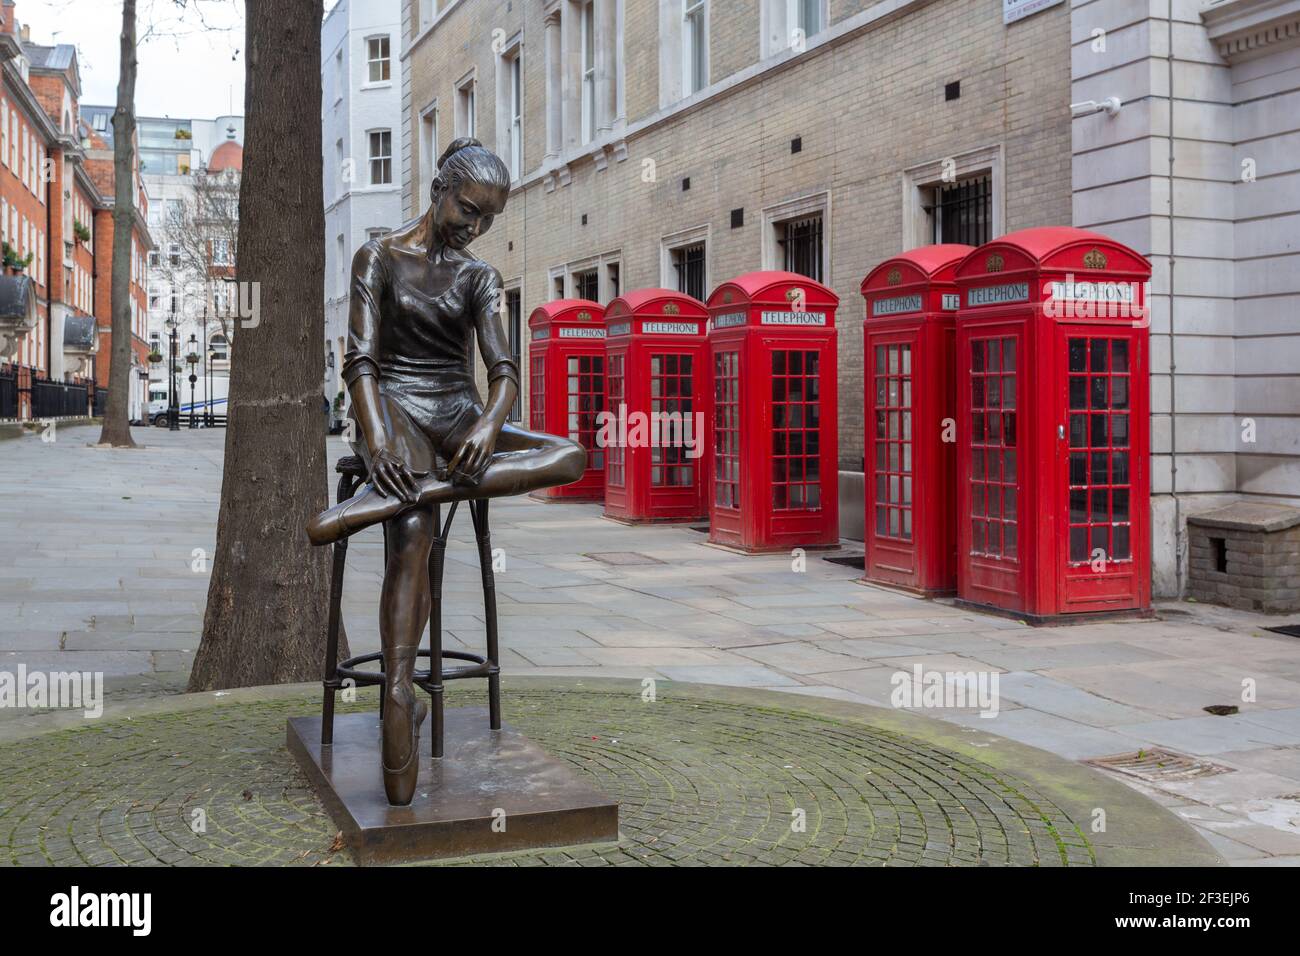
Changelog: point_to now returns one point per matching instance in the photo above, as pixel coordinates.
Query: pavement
(106, 569)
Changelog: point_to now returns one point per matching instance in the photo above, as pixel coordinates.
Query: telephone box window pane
(1078, 391)
(1119, 504)
(1008, 391)
(1078, 424)
(1008, 355)
(1119, 391)
(1121, 548)
(1078, 468)
(1078, 505)
(1099, 391)
(1078, 544)
(1100, 355)
(1100, 542)
(1120, 354)
(616, 474)
(1098, 431)
(1078, 355)
(1009, 539)
(1119, 431)
(1121, 468)
(977, 355)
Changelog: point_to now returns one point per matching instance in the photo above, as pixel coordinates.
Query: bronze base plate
(492, 792)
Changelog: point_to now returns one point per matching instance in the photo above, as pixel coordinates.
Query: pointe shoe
(400, 746)
(363, 509)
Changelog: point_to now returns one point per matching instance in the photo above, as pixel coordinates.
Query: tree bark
(116, 430)
(267, 600)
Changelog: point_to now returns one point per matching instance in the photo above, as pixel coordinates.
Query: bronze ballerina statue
(417, 300)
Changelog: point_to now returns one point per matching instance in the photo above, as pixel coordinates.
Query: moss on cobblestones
(700, 782)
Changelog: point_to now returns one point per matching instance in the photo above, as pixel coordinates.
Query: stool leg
(437, 555)
(381, 656)
(332, 641)
(346, 487)
(479, 512)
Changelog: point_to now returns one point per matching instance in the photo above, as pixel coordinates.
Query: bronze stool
(352, 472)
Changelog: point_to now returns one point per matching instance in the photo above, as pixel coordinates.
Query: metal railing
(59, 399)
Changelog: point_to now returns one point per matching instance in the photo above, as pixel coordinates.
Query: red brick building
(56, 202)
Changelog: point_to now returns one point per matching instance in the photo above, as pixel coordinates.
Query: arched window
(219, 348)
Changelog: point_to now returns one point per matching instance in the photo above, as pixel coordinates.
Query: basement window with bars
(962, 211)
(586, 285)
(688, 263)
(800, 241)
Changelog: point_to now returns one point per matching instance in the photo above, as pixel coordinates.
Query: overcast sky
(185, 69)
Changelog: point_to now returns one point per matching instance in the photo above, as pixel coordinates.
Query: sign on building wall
(1013, 10)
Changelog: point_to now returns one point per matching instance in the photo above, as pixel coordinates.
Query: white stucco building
(361, 121)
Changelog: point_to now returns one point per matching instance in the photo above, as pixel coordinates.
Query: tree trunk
(267, 601)
(117, 414)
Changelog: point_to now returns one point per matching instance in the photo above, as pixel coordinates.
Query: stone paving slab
(704, 776)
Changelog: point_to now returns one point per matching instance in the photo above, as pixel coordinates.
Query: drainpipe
(49, 262)
(1179, 531)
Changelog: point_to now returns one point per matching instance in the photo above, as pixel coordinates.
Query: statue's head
(470, 189)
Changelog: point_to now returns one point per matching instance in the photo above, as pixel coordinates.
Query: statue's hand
(471, 459)
(390, 476)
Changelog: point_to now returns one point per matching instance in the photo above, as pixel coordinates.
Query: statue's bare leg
(523, 461)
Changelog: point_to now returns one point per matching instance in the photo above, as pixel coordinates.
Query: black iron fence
(26, 394)
(59, 399)
(8, 392)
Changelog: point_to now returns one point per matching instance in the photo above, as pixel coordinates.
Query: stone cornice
(1241, 29)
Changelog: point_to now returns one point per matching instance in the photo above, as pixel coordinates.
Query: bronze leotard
(420, 347)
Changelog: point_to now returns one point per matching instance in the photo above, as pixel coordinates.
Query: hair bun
(456, 146)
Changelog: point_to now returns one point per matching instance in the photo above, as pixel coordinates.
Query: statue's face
(462, 214)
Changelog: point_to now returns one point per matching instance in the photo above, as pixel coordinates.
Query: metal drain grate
(622, 558)
(1159, 766)
(1290, 630)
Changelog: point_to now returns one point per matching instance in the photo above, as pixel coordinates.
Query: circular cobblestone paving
(701, 781)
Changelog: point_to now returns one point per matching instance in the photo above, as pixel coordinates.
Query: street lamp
(192, 360)
(173, 401)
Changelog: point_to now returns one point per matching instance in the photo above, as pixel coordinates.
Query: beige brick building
(680, 142)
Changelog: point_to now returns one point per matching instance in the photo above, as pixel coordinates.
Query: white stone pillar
(606, 24)
(554, 113)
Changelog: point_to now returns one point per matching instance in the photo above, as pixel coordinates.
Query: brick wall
(1251, 570)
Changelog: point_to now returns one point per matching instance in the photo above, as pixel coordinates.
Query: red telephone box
(1054, 426)
(566, 375)
(911, 408)
(656, 393)
(775, 467)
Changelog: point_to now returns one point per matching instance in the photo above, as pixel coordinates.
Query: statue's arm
(389, 473)
(503, 378)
